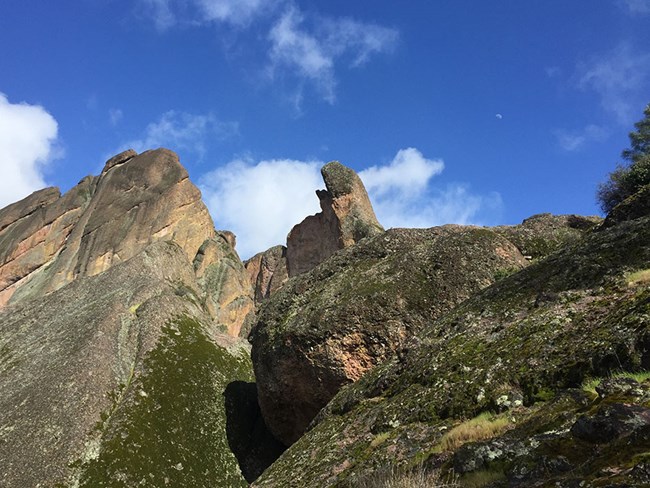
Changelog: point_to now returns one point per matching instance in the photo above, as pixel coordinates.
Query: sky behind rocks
(452, 111)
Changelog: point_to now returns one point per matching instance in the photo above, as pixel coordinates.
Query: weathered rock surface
(34, 230)
(138, 199)
(267, 272)
(346, 218)
(591, 323)
(326, 328)
(117, 380)
(225, 283)
(540, 235)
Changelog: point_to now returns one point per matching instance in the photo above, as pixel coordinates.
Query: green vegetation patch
(171, 428)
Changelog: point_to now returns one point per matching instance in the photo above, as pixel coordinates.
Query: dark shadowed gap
(248, 437)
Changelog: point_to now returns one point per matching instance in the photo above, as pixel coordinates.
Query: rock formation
(347, 217)
(267, 272)
(228, 292)
(104, 381)
(529, 343)
(102, 221)
(327, 327)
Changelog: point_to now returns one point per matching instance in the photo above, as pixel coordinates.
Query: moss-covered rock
(326, 328)
(540, 331)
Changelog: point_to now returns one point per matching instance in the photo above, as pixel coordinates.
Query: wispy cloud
(303, 49)
(313, 53)
(618, 78)
(114, 116)
(188, 132)
(636, 6)
(575, 140)
(261, 201)
(28, 137)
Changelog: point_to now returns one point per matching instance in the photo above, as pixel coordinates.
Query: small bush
(626, 180)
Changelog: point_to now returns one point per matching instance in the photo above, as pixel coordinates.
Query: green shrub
(627, 179)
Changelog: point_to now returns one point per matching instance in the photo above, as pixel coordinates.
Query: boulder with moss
(328, 327)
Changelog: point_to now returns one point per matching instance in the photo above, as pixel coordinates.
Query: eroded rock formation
(346, 218)
(138, 199)
(267, 272)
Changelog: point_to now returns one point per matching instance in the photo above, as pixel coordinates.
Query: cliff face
(118, 335)
(138, 199)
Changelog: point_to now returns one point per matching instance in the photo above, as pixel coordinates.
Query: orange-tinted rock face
(267, 272)
(137, 200)
(227, 288)
(347, 217)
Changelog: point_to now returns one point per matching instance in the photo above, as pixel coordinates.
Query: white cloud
(184, 131)
(313, 54)
(28, 136)
(619, 78)
(402, 194)
(636, 6)
(261, 202)
(574, 140)
(408, 173)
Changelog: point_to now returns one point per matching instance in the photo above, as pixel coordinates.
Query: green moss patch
(170, 430)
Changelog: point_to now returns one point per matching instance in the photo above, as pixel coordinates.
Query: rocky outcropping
(267, 272)
(525, 343)
(228, 294)
(137, 200)
(346, 218)
(542, 234)
(327, 327)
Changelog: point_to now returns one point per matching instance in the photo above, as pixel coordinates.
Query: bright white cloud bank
(260, 202)
(27, 143)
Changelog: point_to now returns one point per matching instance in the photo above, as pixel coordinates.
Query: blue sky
(452, 111)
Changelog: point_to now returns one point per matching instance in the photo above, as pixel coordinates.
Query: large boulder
(346, 218)
(137, 200)
(326, 328)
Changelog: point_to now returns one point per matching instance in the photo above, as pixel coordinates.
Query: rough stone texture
(137, 200)
(540, 235)
(103, 378)
(633, 207)
(347, 217)
(593, 323)
(326, 328)
(267, 272)
(121, 158)
(227, 290)
(34, 230)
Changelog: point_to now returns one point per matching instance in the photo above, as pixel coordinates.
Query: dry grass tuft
(485, 426)
(414, 478)
(639, 278)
